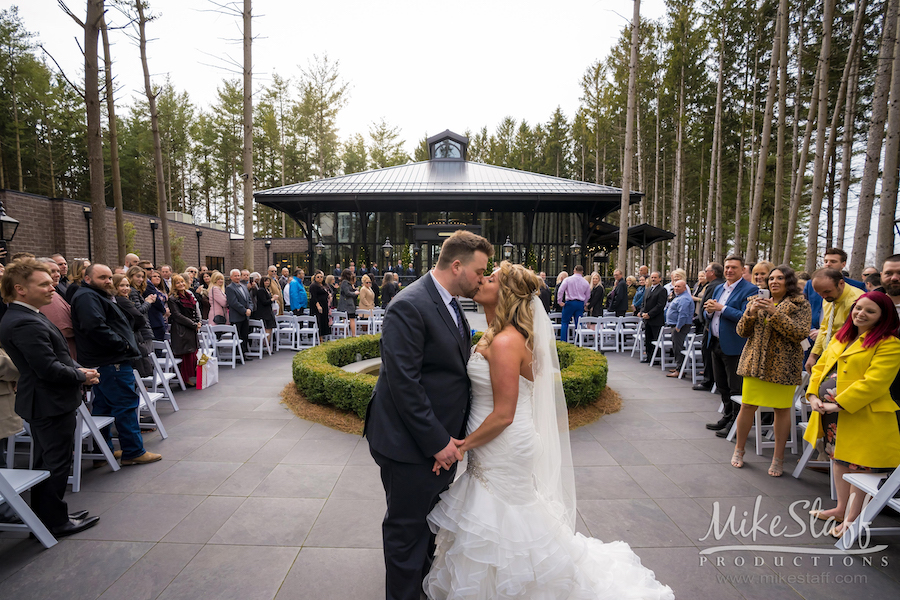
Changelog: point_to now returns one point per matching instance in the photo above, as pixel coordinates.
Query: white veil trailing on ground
(554, 473)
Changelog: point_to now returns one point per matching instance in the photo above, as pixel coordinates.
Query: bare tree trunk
(752, 133)
(795, 145)
(113, 147)
(162, 203)
(677, 221)
(875, 141)
(779, 152)
(720, 235)
(248, 137)
(800, 179)
(847, 151)
(829, 212)
(94, 130)
(15, 104)
(884, 246)
(621, 263)
(756, 208)
(656, 204)
(820, 164)
(706, 251)
(740, 182)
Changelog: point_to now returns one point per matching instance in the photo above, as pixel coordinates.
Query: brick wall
(51, 225)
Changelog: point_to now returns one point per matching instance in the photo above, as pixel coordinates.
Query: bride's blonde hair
(518, 286)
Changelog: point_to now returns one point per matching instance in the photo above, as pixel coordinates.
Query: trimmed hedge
(318, 374)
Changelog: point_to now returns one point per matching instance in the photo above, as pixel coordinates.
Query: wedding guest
(277, 301)
(638, 300)
(771, 362)
(759, 276)
(76, 278)
(10, 422)
(218, 301)
(240, 307)
(680, 316)
(598, 295)
(203, 294)
(58, 311)
(264, 305)
(389, 289)
(619, 301)
(285, 277)
(333, 289)
(576, 291)
(184, 328)
(158, 309)
(165, 273)
(63, 284)
(366, 295)
(873, 282)
(849, 393)
(143, 335)
(631, 285)
(347, 299)
(298, 297)
(838, 299)
(137, 277)
(318, 303)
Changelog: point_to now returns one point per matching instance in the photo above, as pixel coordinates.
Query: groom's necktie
(460, 324)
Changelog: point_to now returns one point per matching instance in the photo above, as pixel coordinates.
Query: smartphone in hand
(763, 293)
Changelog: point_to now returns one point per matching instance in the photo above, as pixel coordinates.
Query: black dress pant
(243, 329)
(651, 333)
(708, 378)
(54, 443)
(411, 490)
(728, 382)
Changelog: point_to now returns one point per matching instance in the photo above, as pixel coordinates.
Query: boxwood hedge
(319, 377)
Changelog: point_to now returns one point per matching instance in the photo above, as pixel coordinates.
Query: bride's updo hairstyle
(518, 286)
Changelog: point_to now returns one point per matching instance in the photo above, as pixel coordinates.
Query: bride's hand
(436, 469)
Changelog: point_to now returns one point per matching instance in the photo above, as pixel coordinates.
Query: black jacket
(238, 297)
(139, 324)
(183, 322)
(619, 302)
(387, 293)
(49, 380)
(655, 306)
(103, 334)
(595, 302)
(422, 395)
(546, 300)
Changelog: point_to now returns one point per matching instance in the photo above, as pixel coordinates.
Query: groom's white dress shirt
(446, 297)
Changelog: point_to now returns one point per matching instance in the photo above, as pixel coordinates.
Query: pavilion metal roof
(440, 185)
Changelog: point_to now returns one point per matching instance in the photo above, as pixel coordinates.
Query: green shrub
(318, 374)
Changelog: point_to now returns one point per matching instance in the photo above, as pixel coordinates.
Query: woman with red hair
(850, 386)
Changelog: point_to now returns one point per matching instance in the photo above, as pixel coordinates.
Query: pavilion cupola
(447, 146)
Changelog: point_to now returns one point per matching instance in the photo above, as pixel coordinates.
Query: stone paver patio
(250, 502)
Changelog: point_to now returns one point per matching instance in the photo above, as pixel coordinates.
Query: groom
(418, 411)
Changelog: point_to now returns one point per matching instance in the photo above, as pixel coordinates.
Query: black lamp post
(8, 227)
(320, 248)
(417, 250)
(199, 233)
(153, 227)
(387, 249)
(575, 249)
(268, 245)
(87, 218)
(507, 249)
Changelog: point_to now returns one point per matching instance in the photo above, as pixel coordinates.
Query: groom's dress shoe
(73, 526)
(80, 514)
(698, 387)
(718, 425)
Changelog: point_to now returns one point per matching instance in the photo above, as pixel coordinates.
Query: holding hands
(449, 455)
(92, 377)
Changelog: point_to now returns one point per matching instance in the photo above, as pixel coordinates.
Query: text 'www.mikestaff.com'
(794, 579)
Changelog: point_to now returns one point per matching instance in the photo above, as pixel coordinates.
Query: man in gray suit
(418, 411)
(238, 298)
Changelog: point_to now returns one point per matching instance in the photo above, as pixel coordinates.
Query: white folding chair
(285, 332)
(12, 483)
(307, 332)
(161, 379)
(868, 483)
(168, 361)
(258, 339)
(87, 431)
(148, 402)
(692, 355)
(23, 436)
(628, 328)
(760, 430)
(661, 346)
(340, 325)
(207, 340)
(587, 332)
(608, 333)
(228, 345)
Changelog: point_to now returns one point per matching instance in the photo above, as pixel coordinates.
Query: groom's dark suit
(420, 401)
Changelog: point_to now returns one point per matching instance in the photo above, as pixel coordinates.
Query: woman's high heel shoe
(776, 469)
(737, 459)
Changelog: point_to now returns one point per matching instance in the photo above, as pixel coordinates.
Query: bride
(506, 527)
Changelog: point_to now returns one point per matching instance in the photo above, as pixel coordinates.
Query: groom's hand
(449, 455)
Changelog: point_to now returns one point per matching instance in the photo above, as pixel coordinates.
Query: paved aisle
(252, 503)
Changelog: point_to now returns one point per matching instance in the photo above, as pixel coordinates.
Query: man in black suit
(49, 389)
(418, 411)
(715, 276)
(654, 313)
(619, 302)
(239, 308)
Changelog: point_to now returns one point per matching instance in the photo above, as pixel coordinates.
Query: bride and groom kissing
(505, 528)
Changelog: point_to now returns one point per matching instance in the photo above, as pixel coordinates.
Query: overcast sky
(424, 66)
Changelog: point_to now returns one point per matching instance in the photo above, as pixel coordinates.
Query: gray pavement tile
(243, 481)
(638, 521)
(204, 521)
(672, 452)
(680, 569)
(348, 523)
(320, 432)
(175, 447)
(710, 480)
(191, 477)
(330, 573)
(361, 456)
(581, 435)
(16, 552)
(232, 573)
(691, 430)
(227, 449)
(95, 502)
(624, 452)
(201, 426)
(654, 482)
(603, 431)
(142, 518)
(149, 576)
(321, 452)
(273, 451)
(695, 522)
(247, 402)
(274, 406)
(294, 429)
(643, 429)
(299, 481)
(243, 415)
(359, 482)
(590, 454)
(269, 522)
(127, 479)
(721, 450)
(254, 428)
(73, 569)
(601, 483)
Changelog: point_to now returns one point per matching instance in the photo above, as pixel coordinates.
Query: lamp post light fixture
(417, 250)
(387, 249)
(575, 249)
(507, 249)
(87, 218)
(320, 249)
(268, 245)
(8, 227)
(199, 233)
(153, 227)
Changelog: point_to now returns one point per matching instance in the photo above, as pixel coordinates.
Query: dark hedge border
(319, 377)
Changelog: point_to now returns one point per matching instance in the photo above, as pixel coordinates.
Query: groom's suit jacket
(422, 395)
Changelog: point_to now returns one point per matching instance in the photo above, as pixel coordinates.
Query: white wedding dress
(497, 537)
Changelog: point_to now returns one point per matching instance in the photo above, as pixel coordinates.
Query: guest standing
(680, 316)
(218, 301)
(366, 295)
(576, 291)
(653, 306)
(239, 309)
(389, 289)
(638, 300)
(265, 307)
(771, 363)
(158, 309)
(58, 311)
(318, 303)
(598, 295)
(333, 289)
(184, 329)
(202, 293)
(298, 297)
(143, 335)
(347, 300)
(619, 301)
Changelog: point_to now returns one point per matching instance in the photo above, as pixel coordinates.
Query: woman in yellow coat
(850, 387)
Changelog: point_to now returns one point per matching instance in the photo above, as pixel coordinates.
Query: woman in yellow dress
(772, 361)
(850, 386)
